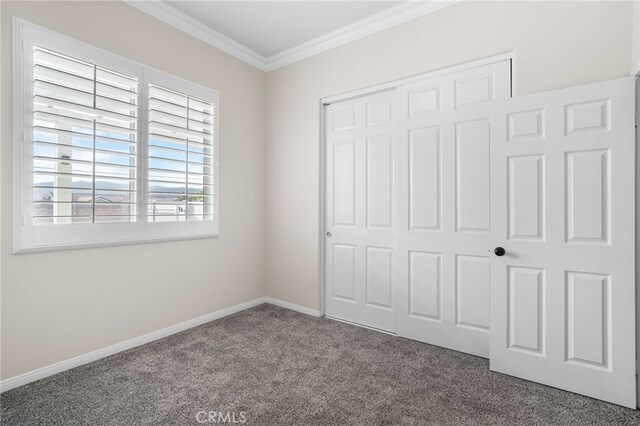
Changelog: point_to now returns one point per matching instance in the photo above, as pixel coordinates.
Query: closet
(498, 226)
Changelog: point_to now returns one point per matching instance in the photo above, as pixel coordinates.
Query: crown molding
(359, 29)
(183, 22)
(362, 28)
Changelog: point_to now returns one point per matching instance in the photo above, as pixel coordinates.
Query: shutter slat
(163, 181)
(164, 194)
(200, 105)
(104, 140)
(167, 117)
(83, 123)
(84, 97)
(116, 79)
(62, 78)
(116, 105)
(163, 105)
(153, 137)
(176, 131)
(168, 95)
(170, 160)
(54, 145)
(68, 79)
(80, 175)
(54, 90)
(204, 117)
(78, 161)
(115, 92)
(176, 151)
(113, 203)
(62, 62)
(80, 190)
(52, 102)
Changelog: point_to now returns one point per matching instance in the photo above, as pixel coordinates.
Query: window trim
(37, 238)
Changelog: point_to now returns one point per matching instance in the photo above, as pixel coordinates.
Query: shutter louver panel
(111, 150)
(85, 138)
(181, 156)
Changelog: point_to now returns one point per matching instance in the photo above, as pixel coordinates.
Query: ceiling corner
(193, 27)
(359, 29)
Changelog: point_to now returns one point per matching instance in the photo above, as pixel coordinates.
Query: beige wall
(59, 305)
(555, 45)
(636, 38)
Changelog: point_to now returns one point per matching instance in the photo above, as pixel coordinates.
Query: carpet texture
(273, 366)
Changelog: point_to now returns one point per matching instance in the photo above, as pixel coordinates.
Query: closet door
(360, 251)
(563, 205)
(443, 207)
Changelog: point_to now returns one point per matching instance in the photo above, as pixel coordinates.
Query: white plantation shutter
(106, 150)
(84, 141)
(180, 156)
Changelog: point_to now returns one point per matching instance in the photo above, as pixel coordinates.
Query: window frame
(28, 237)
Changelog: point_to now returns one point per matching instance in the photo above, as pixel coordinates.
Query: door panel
(425, 178)
(587, 191)
(443, 208)
(472, 175)
(425, 285)
(360, 217)
(344, 168)
(563, 295)
(475, 89)
(526, 287)
(525, 195)
(588, 318)
(344, 272)
(343, 118)
(472, 291)
(379, 181)
(379, 276)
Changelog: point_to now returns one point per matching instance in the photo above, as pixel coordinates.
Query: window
(107, 151)
(85, 120)
(180, 156)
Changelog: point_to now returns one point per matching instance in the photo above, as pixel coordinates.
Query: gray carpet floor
(273, 366)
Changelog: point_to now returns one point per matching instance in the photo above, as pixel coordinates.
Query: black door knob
(499, 251)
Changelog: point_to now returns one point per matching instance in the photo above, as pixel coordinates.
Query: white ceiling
(271, 27)
(269, 34)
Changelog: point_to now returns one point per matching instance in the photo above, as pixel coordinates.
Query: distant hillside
(44, 190)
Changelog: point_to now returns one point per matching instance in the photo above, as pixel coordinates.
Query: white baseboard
(68, 364)
(292, 306)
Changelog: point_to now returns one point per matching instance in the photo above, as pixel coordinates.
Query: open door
(563, 229)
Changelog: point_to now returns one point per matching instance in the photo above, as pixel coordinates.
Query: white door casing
(637, 122)
(563, 208)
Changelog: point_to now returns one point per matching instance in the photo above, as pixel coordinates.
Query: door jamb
(321, 204)
(637, 182)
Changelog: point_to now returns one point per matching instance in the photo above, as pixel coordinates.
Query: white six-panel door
(360, 218)
(407, 208)
(563, 208)
(443, 205)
